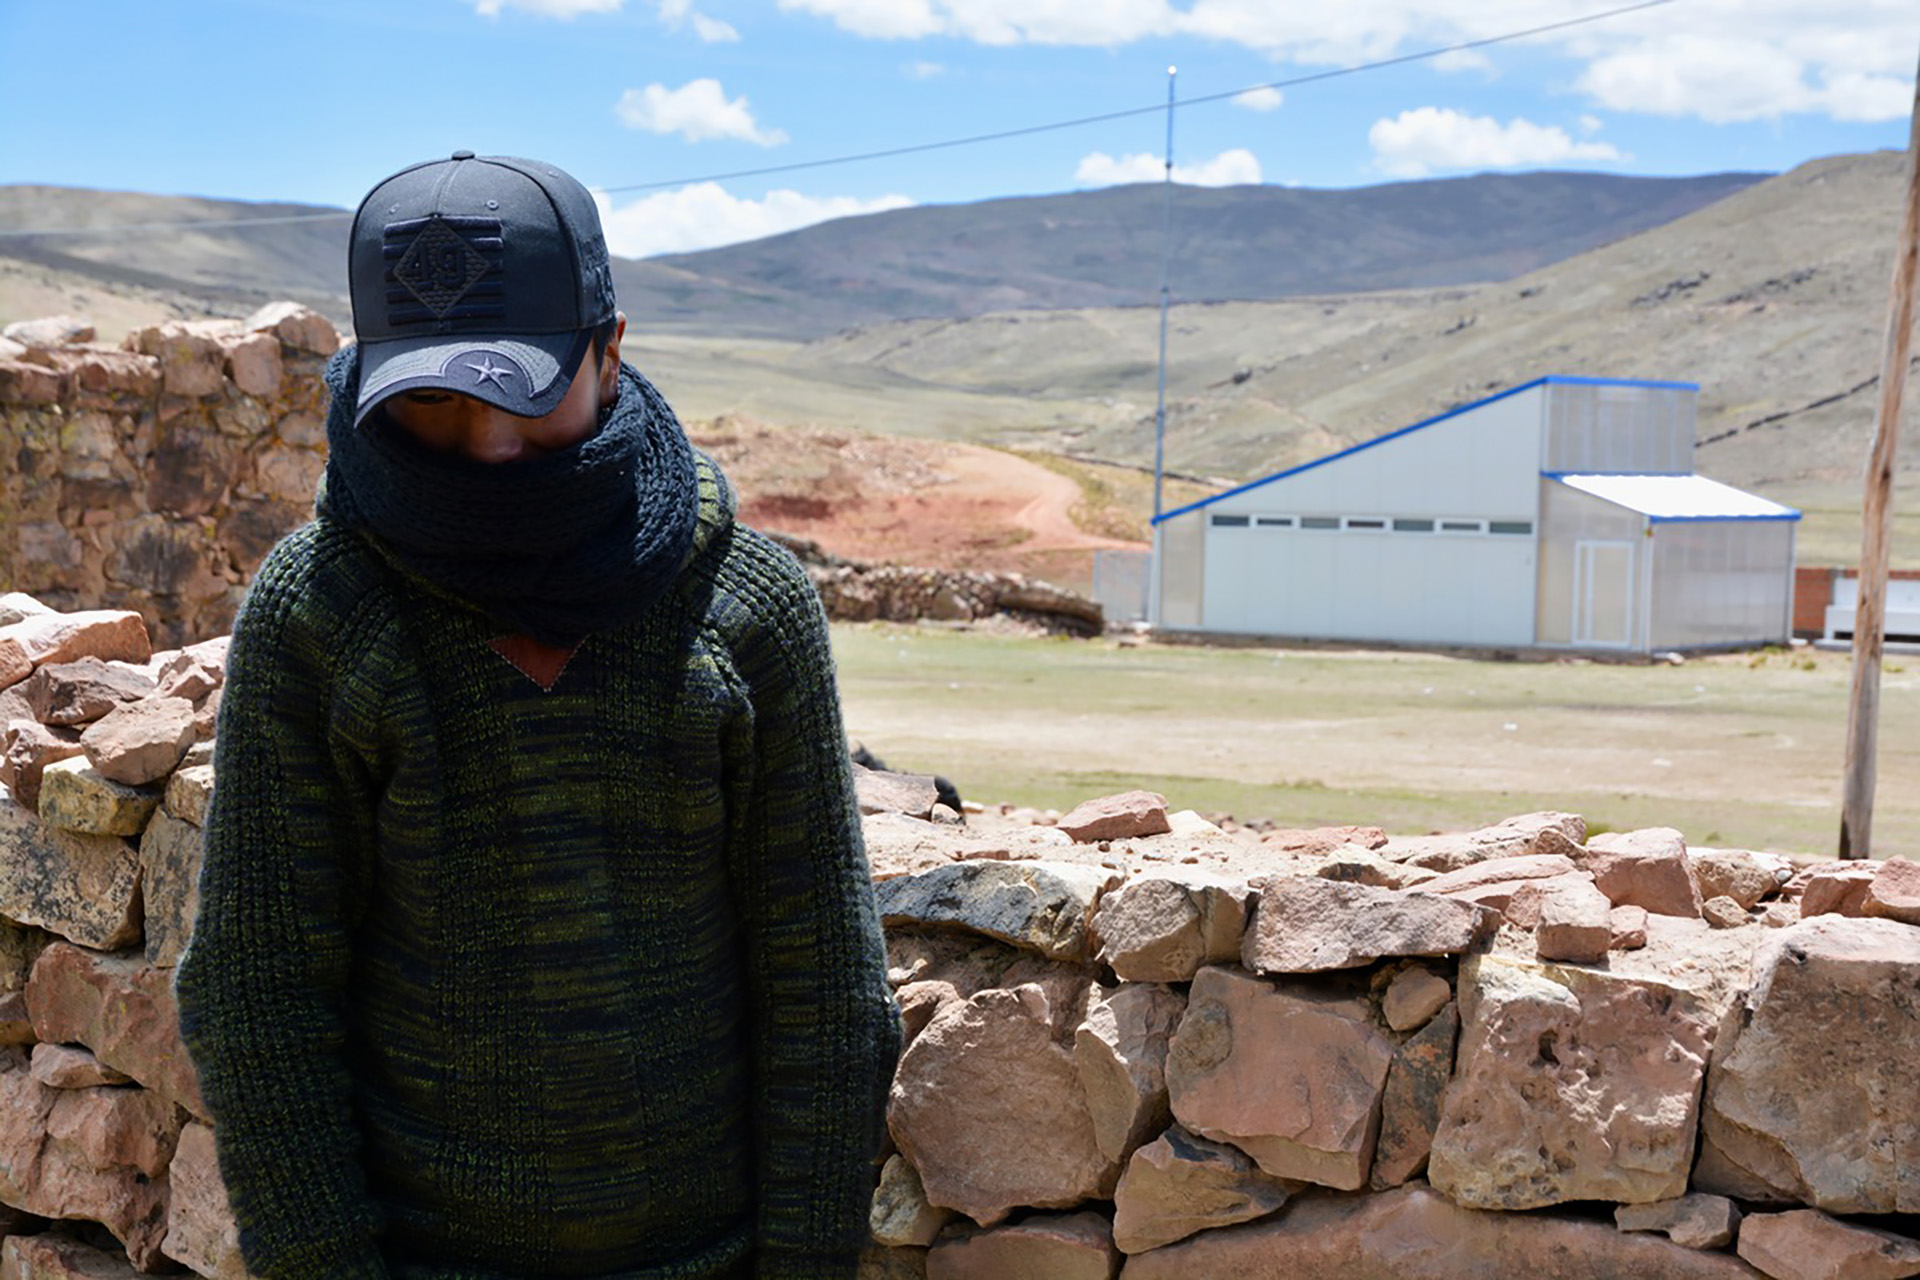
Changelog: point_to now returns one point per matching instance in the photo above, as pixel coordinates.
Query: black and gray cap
(485, 275)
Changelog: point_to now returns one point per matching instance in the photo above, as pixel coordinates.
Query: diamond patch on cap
(440, 267)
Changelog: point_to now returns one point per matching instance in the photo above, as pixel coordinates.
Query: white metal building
(1563, 513)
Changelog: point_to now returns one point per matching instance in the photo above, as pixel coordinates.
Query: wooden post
(1869, 618)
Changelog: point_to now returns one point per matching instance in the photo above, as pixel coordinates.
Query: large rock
(52, 1257)
(1839, 889)
(106, 634)
(81, 691)
(1747, 878)
(1805, 1244)
(884, 791)
(1410, 1104)
(141, 742)
(119, 1007)
(1508, 869)
(1412, 996)
(1647, 868)
(75, 796)
(1413, 1234)
(28, 749)
(1575, 921)
(1290, 1073)
(1045, 906)
(1073, 1246)
(988, 1107)
(1116, 817)
(86, 888)
(1815, 1096)
(1179, 1184)
(1894, 894)
(1304, 924)
(170, 856)
(1571, 1085)
(188, 792)
(1162, 926)
(1524, 834)
(1120, 1052)
(200, 1228)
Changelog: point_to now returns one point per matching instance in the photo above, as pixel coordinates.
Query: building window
(1463, 526)
(1413, 526)
(1230, 522)
(1510, 526)
(1319, 522)
(1273, 522)
(1366, 522)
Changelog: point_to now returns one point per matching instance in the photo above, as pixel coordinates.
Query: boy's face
(453, 423)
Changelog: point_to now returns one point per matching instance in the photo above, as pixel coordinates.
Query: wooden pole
(1869, 618)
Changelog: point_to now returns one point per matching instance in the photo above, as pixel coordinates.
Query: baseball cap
(483, 275)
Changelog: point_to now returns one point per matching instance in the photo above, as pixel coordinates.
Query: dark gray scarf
(580, 540)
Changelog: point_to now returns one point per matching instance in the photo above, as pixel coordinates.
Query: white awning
(1679, 497)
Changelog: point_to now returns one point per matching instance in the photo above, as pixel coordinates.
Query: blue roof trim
(1550, 379)
(1789, 514)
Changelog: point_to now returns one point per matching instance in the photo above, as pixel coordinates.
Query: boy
(536, 936)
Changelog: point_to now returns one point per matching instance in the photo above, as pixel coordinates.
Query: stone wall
(154, 476)
(1140, 1044)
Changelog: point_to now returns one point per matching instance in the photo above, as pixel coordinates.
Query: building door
(1603, 594)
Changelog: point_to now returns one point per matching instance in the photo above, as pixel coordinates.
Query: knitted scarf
(579, 540)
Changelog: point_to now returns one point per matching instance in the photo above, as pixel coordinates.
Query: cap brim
(527, 374)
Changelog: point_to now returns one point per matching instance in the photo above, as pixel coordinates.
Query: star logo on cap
(488, 371)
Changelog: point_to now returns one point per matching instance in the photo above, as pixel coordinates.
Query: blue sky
(315, 100)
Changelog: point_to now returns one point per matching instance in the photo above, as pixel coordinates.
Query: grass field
(1740, 750)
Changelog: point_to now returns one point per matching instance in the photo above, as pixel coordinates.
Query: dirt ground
(907, 500)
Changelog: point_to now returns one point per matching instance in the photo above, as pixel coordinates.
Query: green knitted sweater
(491, 981)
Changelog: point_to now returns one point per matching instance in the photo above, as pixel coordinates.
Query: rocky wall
(1139, 1044)
(153, 476)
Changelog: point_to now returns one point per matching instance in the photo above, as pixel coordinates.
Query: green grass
(1741, 750)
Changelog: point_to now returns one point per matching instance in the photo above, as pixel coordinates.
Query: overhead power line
(920, 147)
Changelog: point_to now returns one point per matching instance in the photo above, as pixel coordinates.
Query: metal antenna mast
(1166, 293)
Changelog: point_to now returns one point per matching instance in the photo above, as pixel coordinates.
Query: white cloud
(1238, 167)
(1418, 142)
(705, 216)
(679, 14)
(1717, 60)
(1590, 125)
(925, 70)
(1266, 98)
(698, 111)
(562, 9)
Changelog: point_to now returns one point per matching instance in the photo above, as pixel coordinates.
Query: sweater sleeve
(262, 986)
(828, 1034)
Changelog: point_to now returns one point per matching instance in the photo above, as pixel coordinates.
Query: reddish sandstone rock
(141, 742)
(66, 1066)
(918, 1002)
(254, 365)
(301, 328)
(29, 748)
(1304, 924)
(1120, 1053)
(53, 1257)
(82, 887)
(119, 1007)
(1571, 1085)
(1503, 870)
(1313, 841)
(106, 634)
(1161, 926)
(988, 1107)
(1723, 913)
(1522, 908)
(1811, 1096)
(195, 671)
(1805, 1244)
(883, 791)
(1574, 922)
(1288, 1072)
(1076, 1246)
(1413, 996)
(81, 691)
(1414, 1234)
(1747, 878)
(1839, 889)
(1357, 865)
(1117, 817)
(1696, 1220)
(1179, 1184)
(1629, 928)
(1528, 833)
(16, 1024)
(200, 1227)
(1894, 894)
(1647, 868)
(1410, 1103)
